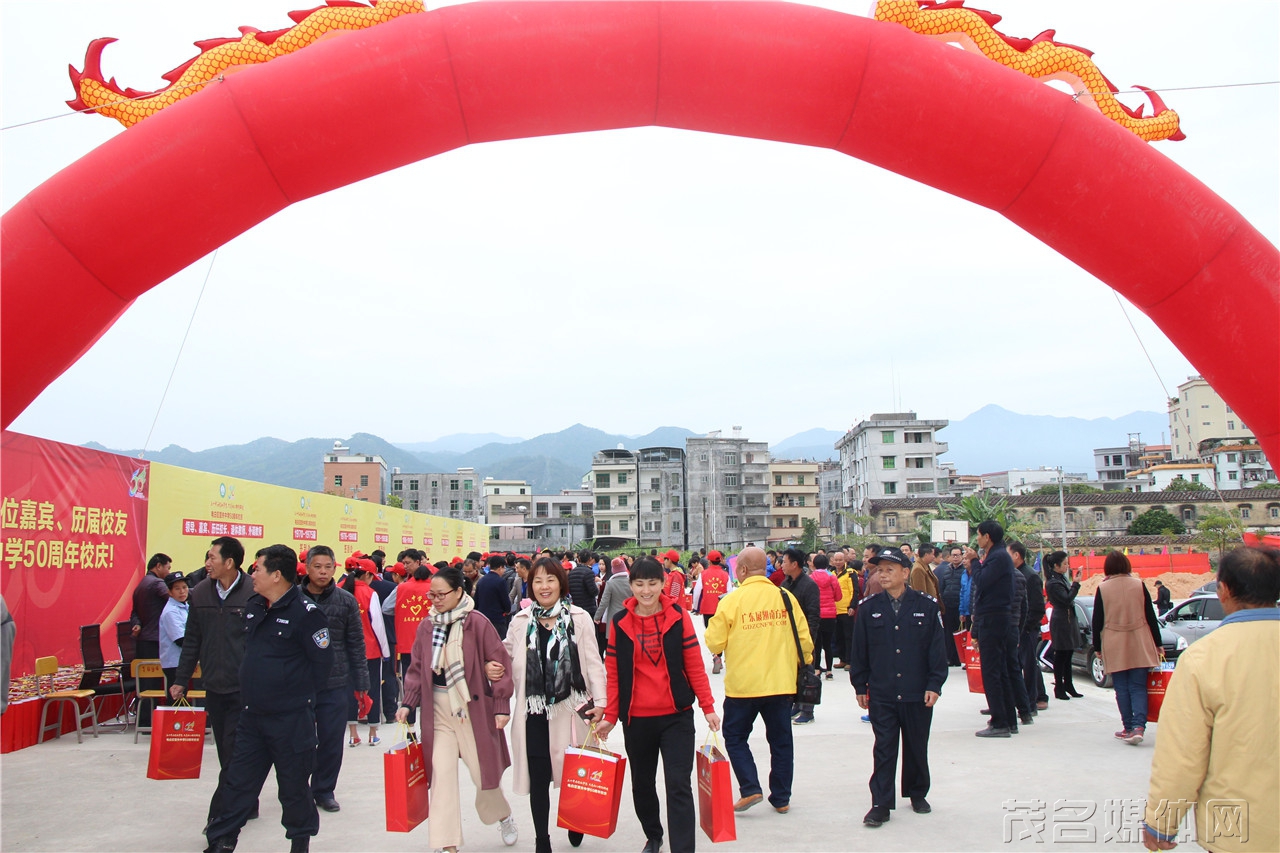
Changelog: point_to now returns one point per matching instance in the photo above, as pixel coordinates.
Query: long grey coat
(1064, 629)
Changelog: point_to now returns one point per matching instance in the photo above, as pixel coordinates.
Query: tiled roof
(1093, 499)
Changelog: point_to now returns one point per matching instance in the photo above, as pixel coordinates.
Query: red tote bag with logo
(1157, 683)
(177, 743)
(591, 790)
(406, 777)
(715, 794)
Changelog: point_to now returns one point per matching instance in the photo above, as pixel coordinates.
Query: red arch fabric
(171, 189)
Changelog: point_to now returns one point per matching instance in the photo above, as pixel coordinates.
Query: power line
(141, 97)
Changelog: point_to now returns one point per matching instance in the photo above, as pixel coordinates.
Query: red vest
(715, 583)
(364, 595)
(412, 606)
(674, 586)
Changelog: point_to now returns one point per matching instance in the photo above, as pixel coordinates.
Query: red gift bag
(177, 743)
(406, 778)
(715, 794)
(971, 659)
(1157, 683)
(590, 791)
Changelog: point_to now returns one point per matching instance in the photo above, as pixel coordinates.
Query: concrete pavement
(60, 796)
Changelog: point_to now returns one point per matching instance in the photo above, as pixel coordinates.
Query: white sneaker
(507, 826)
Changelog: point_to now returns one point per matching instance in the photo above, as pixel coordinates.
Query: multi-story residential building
(456, 495)
(728, 491)
(557, 521)
(892, 454)
(358, 476)
(660, 482)
(1090, 518)
(613, 474)
(1115, 464)
(567, 503)
(794, 496)
(1197, 415)
(831, 517)
(1156, 478)
(1020, 481)
(1237, 465)
(504, 494)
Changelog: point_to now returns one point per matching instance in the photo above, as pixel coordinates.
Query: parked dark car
(1084, 659)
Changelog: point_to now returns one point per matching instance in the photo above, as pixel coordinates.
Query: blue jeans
(739, 718)
(1131, 696)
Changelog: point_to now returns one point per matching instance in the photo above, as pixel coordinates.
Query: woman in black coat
(1064, 629)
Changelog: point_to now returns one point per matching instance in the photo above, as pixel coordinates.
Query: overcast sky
(628, 279)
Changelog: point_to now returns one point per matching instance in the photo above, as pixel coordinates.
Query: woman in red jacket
(655, 673)
(829, 592)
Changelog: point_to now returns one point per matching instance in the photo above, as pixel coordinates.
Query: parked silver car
(1194, 617)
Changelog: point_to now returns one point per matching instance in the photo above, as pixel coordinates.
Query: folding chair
(146, 668)
(48, 666)
(94, 668)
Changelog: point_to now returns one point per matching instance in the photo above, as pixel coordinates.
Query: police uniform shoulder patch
(321, 638)
(309, 604)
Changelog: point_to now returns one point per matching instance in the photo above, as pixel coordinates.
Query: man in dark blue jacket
(492, 595)
(898, 667)
(994, 629)
(286, 662)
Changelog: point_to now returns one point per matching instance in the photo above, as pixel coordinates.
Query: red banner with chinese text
(74, 531)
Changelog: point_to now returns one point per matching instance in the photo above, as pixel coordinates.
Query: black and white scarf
(547, 688)
(446, 653)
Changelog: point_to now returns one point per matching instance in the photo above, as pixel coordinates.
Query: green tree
(1177, 484)
(395, 501)
(1069, 488)
(977, 508)
(1218, 529)
(810, 541)
(1155, 522)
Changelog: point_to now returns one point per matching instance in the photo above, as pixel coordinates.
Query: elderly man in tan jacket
(1219, 743)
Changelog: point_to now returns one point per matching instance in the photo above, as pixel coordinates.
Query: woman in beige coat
(556, 669)
(1127, 635)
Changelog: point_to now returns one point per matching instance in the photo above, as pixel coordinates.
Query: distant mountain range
(990, 439)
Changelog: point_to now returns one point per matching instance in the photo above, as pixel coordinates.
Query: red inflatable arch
(171, 189)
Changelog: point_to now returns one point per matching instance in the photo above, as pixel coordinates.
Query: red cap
(456, 561)
(357, 553)
(714, 556)
(673, 555)
(567, 566)
(367, 565)
(399, 569)
(351, 562)
(302, 568)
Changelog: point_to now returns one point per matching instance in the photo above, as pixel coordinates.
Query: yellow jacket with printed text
(752, 629)
(1218, 740)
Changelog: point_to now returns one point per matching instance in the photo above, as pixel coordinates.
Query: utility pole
(705, 541)
(1062, 509)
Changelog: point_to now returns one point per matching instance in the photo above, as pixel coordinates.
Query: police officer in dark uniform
(899, 665)
(287, 659)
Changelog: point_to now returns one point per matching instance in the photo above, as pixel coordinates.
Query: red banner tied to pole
(73, 533)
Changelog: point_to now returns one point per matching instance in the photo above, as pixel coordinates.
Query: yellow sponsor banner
(189, 509)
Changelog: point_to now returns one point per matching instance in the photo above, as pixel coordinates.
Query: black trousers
(146, 650)
(1031, 674)
(844, 637)
(331, 727)
(670, 736)
(911, 722)
(537, 749)
(951, 622)
(390, 690)
(1013, 662)
(995, 633)
(826, 643)
(223, 710)
(1063, 676)
(287, 742)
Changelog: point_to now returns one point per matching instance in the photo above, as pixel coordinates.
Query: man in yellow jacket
(752, 627)
(1218, 744)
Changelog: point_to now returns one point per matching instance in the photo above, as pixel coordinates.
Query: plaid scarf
(547, 687)
(446, 653)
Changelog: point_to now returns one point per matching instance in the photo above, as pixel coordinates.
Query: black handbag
(808, 684)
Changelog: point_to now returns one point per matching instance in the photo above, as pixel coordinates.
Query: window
(702, 457)
(435, 503)
(730, 500)
(541, 510)
(435, 484)
(655, 506)
(622, 500)
(397, 485)
(1099, 516)
(468, 485)
(730, 459)
(891, 522)
(654, 484)
(453, 485)
(603, 528)
(675, 501)
(800, 479)
(624, 525)
(1244, 512)
(602, 501)
(1195, 478)
(653, 527)
(777, 479)
(413, 485)
(364, 479)
(1041, 516)
(886, 436)
(890, 488)
(337, 480)
(800, 501)
(1273, 511)
(675, 527)
(1188, 514)
(916, 488)
(602, 481)
(889, 462)
(731, 522)
(675, 481)
(1071, 516)
(468, 505)
(622, 478)
(453, 506)
(1128, 515)
(413, 504)
(731, 479)
(1231, 425)
(1233, 475)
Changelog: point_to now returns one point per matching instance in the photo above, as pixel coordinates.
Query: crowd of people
(506, 660)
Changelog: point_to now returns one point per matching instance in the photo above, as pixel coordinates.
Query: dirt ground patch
(1180, 584)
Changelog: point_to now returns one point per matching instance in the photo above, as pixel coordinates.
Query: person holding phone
(1064, 629)
(655, 669)
(559, 688)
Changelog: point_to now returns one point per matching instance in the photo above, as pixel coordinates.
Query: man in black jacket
(215, 637)
(493, 596)
(993, 626)
(346, 641)
(949, 581)
(1030, 639)
(582, 584)
(805, 590)
(287, 660)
